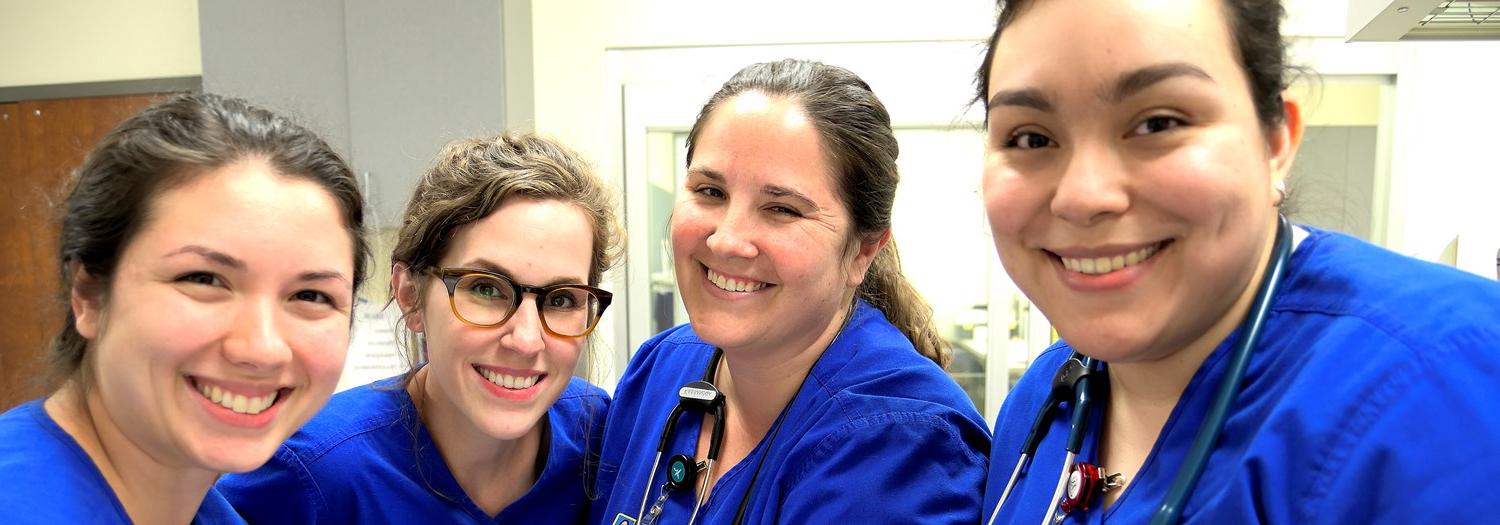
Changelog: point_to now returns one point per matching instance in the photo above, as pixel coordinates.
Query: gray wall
(387, 82)
(1333, 179)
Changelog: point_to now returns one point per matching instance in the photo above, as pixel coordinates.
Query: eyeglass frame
(451, 276)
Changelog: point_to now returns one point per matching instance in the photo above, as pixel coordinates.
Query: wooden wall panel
(45, 141)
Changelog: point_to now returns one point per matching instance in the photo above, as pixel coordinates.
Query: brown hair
(856, 135)
(473, 177)
(162, 147)
(1255, 26)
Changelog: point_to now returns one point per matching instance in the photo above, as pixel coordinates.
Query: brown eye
(1157, 124)
(1029, 140)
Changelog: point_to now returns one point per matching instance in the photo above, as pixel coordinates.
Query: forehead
(758, 140)
(536, 239)
(1097, 39)
(250, 210)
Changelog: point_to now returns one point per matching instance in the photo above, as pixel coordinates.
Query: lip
(715, 291)
(524, 394)
(1112, 281)
(230, 417)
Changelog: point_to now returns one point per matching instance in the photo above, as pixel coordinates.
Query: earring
(1280, 193)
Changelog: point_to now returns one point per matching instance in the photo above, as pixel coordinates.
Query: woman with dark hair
(1217, 364)
(496, 266)
(810, 373)
(210, 254)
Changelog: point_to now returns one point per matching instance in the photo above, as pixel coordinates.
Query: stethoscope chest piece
(682, 471)
(1085, 484)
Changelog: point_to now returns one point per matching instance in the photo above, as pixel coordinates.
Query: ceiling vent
(1407, 20)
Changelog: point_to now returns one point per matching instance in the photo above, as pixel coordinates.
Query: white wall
(587, 52)
(76, 41)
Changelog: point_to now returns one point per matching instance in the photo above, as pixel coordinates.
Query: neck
(151, 490)
(759, 383)
(492, 472)
(1143, 394)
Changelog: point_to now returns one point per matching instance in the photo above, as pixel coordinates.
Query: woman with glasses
(495, 270)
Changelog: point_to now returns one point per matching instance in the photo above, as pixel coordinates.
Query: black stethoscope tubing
(1075, 377)
(704, 396)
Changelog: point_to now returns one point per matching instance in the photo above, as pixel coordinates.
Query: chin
(229, 456)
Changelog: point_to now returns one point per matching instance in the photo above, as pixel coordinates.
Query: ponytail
(887, 289)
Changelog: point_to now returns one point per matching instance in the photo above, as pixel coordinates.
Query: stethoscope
(682, 471)
(1083, 380)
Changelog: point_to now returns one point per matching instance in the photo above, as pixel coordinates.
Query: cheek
(322, 347)
(1009, 199)
(1207, 181)
(565, 352)
(688, 228)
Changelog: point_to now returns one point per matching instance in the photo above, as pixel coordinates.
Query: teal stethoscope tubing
(1170, 511)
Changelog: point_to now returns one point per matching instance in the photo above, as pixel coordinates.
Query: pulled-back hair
(856, 137)
(473, 177)
(165, 146)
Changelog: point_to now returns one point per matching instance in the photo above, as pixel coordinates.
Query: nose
(524, 333)
(1092, 187)
(255, 341)
(733, 236)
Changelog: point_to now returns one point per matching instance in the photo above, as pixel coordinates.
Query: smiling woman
(1255, 371)
(211, 252)
(496, 265)
(822, 395)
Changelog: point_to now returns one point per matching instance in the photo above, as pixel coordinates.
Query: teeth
(733, 285)
(511, 382)
(238, 403)
(1103, 265)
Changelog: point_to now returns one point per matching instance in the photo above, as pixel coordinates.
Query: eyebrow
(775, 191)
(490, 266)
(325, 275)
(1026, 98)
(1128, 84)
(224, 259)
(215, 256)
(1140, 79)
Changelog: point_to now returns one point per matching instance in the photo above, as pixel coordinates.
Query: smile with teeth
(1103, 265)
(508, 381)
(733, 285)
(240, 404)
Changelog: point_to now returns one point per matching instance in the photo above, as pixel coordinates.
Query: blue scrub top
(877, 434)
(367, 458)
(1372, 397)
(46, 478)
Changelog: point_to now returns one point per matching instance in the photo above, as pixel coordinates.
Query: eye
(562, 300)
(201, 278)
(1029, 140)
(1157, 124)
(710, 192)
(485, 288)
(313, 296)
(784, 210)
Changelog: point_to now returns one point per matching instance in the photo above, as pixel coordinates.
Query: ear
(86, 298)
(1282, 143)
(864, 257)
(404, 288)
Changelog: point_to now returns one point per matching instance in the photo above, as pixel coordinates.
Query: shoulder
(352, 416)
(357, 429)
(662, 362)
(48, 477)
(582, 405)
(1413, 302)
(871, 384)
